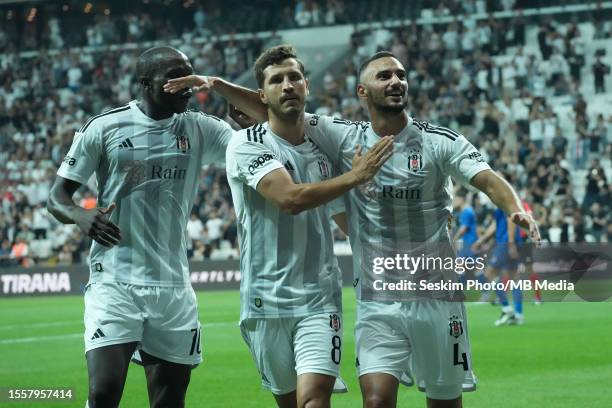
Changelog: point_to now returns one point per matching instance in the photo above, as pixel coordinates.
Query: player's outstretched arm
(278, 187)
(503, 195)
(244, 99)
(94, 223)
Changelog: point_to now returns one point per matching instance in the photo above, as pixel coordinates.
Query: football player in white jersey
(291, 300)
(147, 157)
(407, 203)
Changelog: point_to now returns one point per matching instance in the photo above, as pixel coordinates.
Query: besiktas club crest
(415, 160)
(182, 143)
(334, 322)
(455, 326)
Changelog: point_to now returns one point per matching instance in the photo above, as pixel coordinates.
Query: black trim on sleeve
(110, 112)
(437, 130)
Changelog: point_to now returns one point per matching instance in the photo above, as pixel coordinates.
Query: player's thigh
(441, 358)
(167, 382)
(379, 390)
(107, 369)
(172, 331)
(317, 341)
(380, 342)
(111, 315)
(270, 342)
(314, 388)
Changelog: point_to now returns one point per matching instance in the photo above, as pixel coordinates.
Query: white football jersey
(407, 206)
(150, 169)
(287, 261)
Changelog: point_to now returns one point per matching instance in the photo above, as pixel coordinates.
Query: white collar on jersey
(283, 141)
(401, 136)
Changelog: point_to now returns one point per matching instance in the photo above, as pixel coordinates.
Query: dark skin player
(107, 366)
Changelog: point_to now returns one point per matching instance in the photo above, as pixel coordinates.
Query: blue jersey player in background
(504, 258)
(467, 232)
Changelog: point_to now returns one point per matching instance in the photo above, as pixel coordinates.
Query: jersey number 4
(456, 361)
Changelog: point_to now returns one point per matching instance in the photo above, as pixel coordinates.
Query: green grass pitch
(561, 357)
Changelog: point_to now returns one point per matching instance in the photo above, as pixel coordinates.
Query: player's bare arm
(245, 99)
(512, 251)
(94, 223)
(292, 198)
(504, 196)
(242, 119)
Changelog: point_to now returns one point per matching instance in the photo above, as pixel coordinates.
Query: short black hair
(153, 59)
(378, 55)
(273, 56)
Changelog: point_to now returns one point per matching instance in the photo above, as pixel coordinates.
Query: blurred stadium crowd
(537, 109)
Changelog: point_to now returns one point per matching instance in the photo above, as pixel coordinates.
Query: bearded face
(285, 89)
(385, 86)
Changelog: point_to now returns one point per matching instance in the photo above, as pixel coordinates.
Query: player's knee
(378, 400)
(314, 397)
(104, 392)
(315, 401)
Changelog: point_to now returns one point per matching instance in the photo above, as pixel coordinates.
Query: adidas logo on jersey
(256, 133)
(98, 334)
(126, 144)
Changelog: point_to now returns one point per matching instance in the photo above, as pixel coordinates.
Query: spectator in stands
(199, 19)
(195, 228)
(559, 143)
(214, 227)
(543, 40)
(575, 63)
(596, 181)
(598, 222)
(65, 256)
(600, 70)
(200, 251)
(598, 134)
(307, 13)
(20, 251)
(40, 222)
